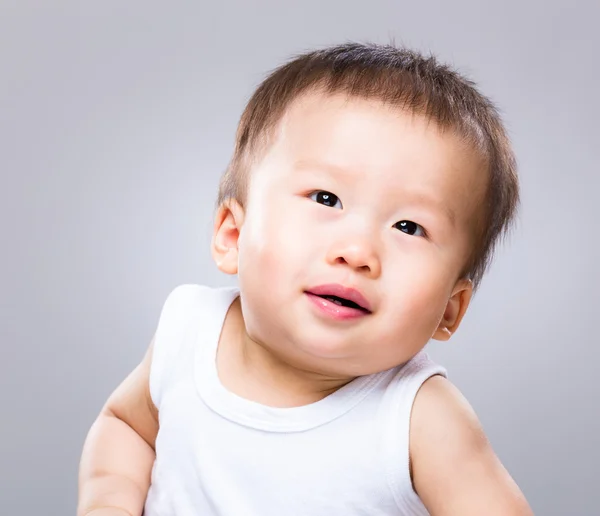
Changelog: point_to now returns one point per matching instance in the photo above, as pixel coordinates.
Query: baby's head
(367, 190)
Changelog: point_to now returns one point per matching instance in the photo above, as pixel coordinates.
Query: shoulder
(187, 308)
(439, 402)
(189, 296)
(454, 468)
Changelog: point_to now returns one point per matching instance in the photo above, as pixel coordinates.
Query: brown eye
(326, 198)
(410, 228)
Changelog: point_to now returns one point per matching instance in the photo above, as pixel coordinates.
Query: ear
(455, 310)
(226, 233)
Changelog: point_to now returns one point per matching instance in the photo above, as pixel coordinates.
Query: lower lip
(333, 311)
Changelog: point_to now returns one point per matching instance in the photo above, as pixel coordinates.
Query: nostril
(362, 259)
(343, 261)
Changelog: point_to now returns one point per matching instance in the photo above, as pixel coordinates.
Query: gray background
(116, 120)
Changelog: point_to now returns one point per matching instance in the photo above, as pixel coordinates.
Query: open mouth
(340, 301)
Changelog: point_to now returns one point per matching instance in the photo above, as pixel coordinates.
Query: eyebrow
(414, 196)
(320, 165)
(436, 205)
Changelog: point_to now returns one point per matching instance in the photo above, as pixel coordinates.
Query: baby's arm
(117, 458)
(455, 471)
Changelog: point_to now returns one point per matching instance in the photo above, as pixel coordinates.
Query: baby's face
(367, 203)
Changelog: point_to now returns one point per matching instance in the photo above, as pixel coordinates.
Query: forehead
(370, 143)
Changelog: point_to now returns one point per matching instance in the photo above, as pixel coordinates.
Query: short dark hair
(399, 77)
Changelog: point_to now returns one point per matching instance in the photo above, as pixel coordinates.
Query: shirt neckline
(253, 414)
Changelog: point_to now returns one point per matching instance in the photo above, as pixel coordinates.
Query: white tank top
(218, 454)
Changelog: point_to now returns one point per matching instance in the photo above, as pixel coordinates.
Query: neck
(251, 370)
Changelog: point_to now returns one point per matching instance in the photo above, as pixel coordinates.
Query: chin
(324, 348)
(318, 350)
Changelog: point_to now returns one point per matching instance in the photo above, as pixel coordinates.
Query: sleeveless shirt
(218, 454)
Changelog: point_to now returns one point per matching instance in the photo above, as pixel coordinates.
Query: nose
(359, 253)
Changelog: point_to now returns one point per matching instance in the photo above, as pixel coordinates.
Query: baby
(368, 187)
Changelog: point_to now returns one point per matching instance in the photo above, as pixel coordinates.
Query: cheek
(273, 253)
(418, 291)
(279, 231)
(273, 243)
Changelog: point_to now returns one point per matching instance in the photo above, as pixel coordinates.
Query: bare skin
(117, 458)
(455, 470)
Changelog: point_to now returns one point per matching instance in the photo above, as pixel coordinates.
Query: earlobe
(455, 310)
(226, 232)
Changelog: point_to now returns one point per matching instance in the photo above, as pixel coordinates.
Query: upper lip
(336, 290)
